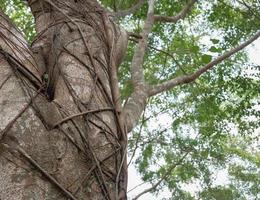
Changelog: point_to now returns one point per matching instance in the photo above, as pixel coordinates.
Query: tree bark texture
(62, 133)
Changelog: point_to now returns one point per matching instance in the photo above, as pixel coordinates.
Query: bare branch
(249, 8)
(138, 138)
(153, 90)
(133, 9)
(140, 184)
(163, 177)
(135, 106)
(181, 15)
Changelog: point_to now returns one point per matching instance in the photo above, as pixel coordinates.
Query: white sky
(134, 178)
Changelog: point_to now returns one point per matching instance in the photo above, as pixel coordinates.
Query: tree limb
(181, 15)
(153, 90)
(133, 9)
(136, 104)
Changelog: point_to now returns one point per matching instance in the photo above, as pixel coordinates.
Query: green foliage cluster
(214, 119)
(194, 131)
(18, 11)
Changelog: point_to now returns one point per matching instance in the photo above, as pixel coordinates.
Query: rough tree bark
(63, 130)
(62, 134)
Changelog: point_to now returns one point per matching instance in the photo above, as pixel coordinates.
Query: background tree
(67, 106)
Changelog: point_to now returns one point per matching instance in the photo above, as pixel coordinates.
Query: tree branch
(181, 15)
(163, 177)
(249, 8)
(153, 90)
(133, 9)
(136, 104)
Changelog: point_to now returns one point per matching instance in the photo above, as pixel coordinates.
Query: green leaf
(214, 41)
(206, 58)
(195, 49)
(214, 49)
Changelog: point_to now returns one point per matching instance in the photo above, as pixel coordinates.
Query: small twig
(163, 177)
(138, 138)
(176, 18)
(249, 8)
(132, 10)
(139, 185)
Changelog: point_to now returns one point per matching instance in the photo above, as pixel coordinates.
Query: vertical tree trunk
(62, 133)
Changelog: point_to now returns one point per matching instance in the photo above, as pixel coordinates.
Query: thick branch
(153, 90)
(133, 9)
(181, 15)
(134, 108)
(138, 58)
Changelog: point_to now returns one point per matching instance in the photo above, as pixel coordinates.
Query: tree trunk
(62, 131)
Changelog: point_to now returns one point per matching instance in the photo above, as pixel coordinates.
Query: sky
(133, 177)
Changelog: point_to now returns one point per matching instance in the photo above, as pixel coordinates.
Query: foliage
(213, 120)
(20, 14)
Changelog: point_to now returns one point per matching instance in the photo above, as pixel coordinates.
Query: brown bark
(63, 137)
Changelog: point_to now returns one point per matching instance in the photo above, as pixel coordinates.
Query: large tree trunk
(62, 133)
